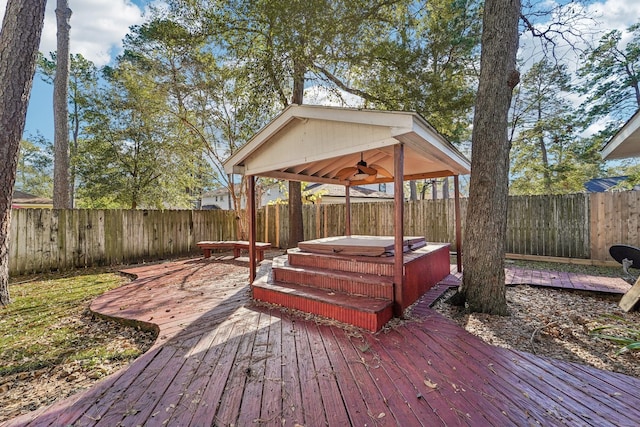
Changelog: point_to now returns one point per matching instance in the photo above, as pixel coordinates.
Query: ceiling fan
(360, 172)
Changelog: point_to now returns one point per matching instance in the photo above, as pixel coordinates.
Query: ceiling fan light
(360, 176)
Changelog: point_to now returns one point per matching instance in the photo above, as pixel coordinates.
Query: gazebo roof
(313, 143)
(626, 142)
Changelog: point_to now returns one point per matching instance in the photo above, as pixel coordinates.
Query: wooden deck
(222, 360)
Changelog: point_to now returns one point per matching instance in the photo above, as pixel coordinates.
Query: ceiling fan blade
(345, 173)
(382, 171)
(370, 178)
(368, 170)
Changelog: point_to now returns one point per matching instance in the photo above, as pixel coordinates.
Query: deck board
(208, 404)
(127, 404)
(271, 406)
(221, 359)
(326, 376)
(291, 390)
(480, 377)
(351, 396)
(255, 375)
(191, 390)
(237, 378)
(401, 351)
(165, 386)
(314, 412)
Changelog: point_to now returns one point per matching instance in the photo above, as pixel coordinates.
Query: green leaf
(630, 347)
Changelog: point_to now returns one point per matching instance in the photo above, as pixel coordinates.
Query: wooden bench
(236, 245)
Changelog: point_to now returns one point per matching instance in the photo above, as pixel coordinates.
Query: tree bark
(543, 151)
(483, 286)
(445, 187)
(413, 191)
(296, 226)
(61, 186)
(19, 40)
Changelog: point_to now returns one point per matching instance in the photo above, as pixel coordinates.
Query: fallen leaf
(430, 384)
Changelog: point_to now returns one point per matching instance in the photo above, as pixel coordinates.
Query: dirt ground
(556, 323)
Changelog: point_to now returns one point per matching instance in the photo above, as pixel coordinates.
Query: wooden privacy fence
(45, 239)
(570, 226)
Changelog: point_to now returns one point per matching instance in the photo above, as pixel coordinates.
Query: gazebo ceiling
(316, 144)
(626, 142)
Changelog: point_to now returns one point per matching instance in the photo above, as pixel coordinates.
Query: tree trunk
(61, 187)
(445, 187)
(296, 226)
(543, 152)
(19, 40)
(483, 286)
(413, 191)
(73, 152)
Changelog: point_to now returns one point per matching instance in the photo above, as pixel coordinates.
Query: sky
(98, 27)
(97, 30)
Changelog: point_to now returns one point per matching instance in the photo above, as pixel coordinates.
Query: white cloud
(615, 14)
(97, 27)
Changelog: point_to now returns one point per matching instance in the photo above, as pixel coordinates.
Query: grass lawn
(51, 346)
(48, 323)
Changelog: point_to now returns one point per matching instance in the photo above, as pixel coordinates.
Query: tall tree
(83, 96)
(132, 156)
(19, 39)
(296, 224)
(61, 187)
(423, 59)
(611, 73)
(548, 154)
(483, 286)
(209, 100)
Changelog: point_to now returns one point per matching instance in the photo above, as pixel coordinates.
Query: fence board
(614, 220)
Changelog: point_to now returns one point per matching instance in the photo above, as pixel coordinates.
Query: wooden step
(364, 312)
(351, 283)
(379, 266)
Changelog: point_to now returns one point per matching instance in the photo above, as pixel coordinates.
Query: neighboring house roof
(316, 144)
(600, 185)
(334, 190)
(222, 191)
(626, 142)
(22, 200)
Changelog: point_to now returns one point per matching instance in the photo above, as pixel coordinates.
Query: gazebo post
(398, 246)
(456, 182)
(347, 202)
(251, 205)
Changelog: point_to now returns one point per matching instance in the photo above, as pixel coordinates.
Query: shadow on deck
(221, 360)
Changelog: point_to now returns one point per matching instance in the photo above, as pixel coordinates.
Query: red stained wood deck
(222, 360)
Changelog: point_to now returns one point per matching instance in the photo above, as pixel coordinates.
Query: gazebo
(350, 147)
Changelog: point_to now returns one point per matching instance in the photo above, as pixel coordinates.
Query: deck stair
(331, 286)
(352, 289)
